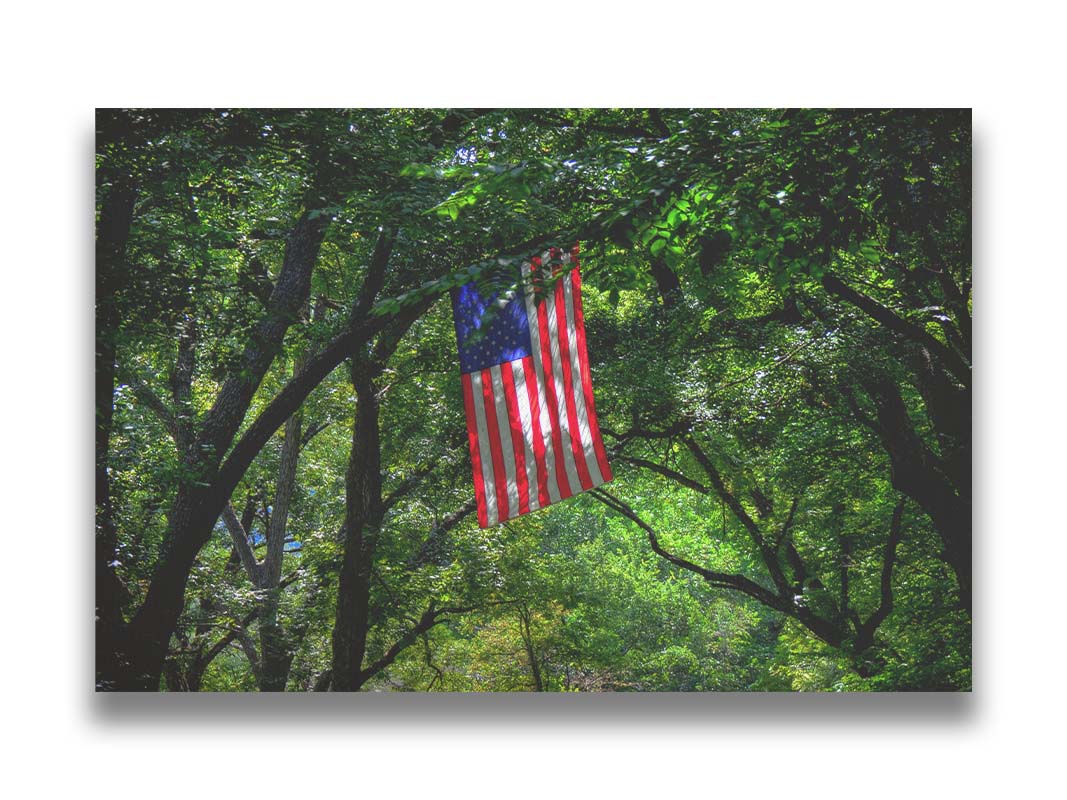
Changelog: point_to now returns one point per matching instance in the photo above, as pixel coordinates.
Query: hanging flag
(534, 438)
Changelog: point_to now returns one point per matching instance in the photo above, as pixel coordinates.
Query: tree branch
(787, 526)
(429, 618)
(181, 383)
(440, 675)
(290, 295)
(720, 580)
(361, 328)
(636, 432)
(212, 653)
(426, 552)
(406, 485)
(667, 472)
(951, 360)
(770, 555)
(885, 606)
(154, 403)
(249, 648)
(253, 568)
(312, 431)
(283, 493)
(725, 494)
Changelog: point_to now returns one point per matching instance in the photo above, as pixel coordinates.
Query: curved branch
(667, 472)
(725, 494)
(249, 648)
(720, 580)
(289, 399)
(885, 606)
(154, 403)
(239, 536)
(949, 357)
(429, 546)
(430, 618)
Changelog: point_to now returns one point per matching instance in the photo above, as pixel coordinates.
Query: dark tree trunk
(138, 651)
(363, 515)
(528, 645)
(364, 508)
(939, 483)
(116, 217)
(276, 653)
(194, 676)
(920, 474)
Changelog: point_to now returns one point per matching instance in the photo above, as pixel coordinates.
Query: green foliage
(708, 241)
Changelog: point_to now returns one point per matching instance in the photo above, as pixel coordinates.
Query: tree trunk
(275, 650)
(921, 475)
(531, 656)
(116, 217)
(364, 508)
(137, 651)
(941, 485)
(363, 515)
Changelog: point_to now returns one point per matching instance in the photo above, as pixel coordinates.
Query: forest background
(779, 320)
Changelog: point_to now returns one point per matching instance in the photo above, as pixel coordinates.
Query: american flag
(533, 433)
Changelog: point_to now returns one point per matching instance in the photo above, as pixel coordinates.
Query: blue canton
(505, 338)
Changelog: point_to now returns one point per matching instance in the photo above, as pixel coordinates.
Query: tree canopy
(778, 312)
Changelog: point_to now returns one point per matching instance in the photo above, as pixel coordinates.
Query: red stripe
(515, 423)
(568, 389)
(538, 434)
(550, 401)
(587, 380)
(497, 451)
(476, 456)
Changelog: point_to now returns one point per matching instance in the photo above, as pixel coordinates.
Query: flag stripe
(522, 398)
(578, 357)
(577, 353)
(558, 405)
(507, 454)
(542, 419)
(484, 449)
(587, 380)
(476, 459)
(543, 482)
(569, 393)
(548, 392)
(513, 421)
(495, 450)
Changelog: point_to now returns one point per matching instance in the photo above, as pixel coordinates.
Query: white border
(60, 63)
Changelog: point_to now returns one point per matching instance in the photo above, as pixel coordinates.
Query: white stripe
(561, 399)
(519, 374)
(579, 390)
(483, 447)
(542, 399)
(504, 427)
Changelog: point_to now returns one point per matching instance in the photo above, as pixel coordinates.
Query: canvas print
(533, 400)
